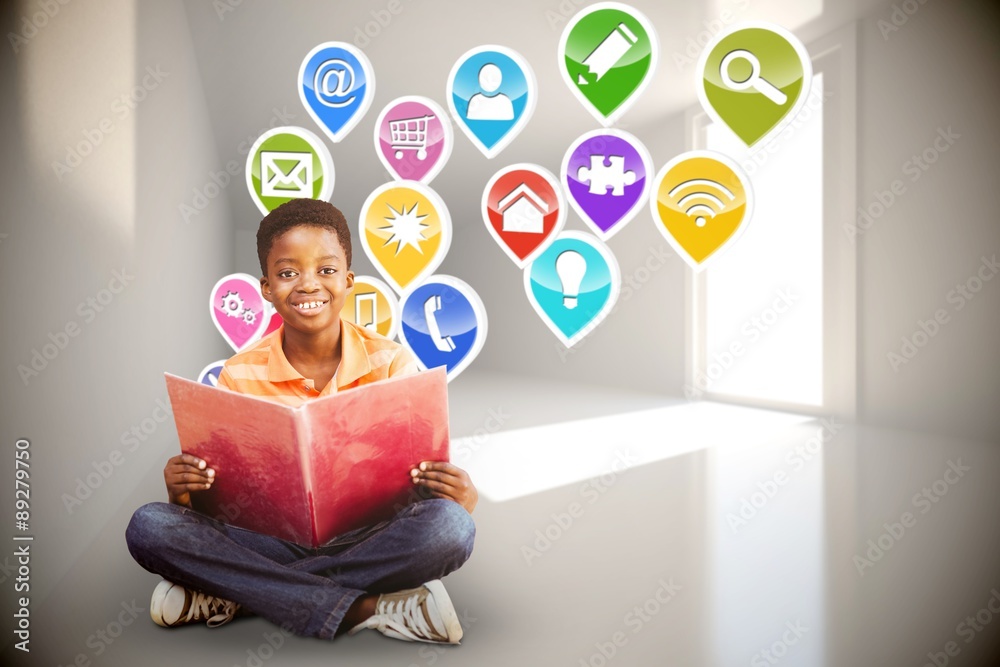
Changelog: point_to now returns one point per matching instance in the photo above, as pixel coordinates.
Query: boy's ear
(265, 289)
(350, 279)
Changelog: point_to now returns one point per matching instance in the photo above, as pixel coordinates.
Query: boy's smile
(307, 278)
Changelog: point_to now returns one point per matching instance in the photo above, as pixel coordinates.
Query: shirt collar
(354, 361)
(278, 367)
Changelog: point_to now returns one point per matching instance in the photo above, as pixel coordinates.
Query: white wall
(938, 71)
(929, 74)
(230, 77)
(250, 59)
(65, 239)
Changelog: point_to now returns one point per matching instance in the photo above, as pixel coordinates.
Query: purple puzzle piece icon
(607, 174)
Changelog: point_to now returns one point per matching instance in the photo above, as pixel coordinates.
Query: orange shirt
(263, 370)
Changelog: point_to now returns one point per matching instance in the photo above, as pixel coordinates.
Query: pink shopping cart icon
(410, 134)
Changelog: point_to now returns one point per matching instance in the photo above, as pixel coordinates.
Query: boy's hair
(298, 212)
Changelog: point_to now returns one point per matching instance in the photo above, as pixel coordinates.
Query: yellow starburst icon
(406, 227)
(405, 232)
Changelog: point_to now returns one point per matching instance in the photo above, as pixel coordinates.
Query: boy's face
(307, 278)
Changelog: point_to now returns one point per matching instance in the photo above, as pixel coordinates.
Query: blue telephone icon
(431, 306)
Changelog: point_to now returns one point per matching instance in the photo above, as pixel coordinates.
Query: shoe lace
(407, 615)
(216, 610)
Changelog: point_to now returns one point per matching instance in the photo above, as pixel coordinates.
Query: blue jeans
(306, 591)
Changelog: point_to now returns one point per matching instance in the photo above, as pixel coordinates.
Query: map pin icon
(607, 55)
(237, 309)
(573, 285)
(607, 175)
(491, 94)
(336, 86)
(210, 374)
(405, 231)
(754, 79)
(371, 304)
(443, 324)
(288, 163)
(413, 138)
(701, 203)
(524, 210)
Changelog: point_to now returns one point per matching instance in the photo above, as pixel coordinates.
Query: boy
(383, 577)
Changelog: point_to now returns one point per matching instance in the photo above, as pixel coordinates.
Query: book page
(365, 441)
(251, 444)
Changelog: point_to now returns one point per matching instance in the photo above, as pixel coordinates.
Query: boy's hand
(185, 473)
(445, 480)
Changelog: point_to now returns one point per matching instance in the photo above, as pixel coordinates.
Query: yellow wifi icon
(695, 198)
(701, 186)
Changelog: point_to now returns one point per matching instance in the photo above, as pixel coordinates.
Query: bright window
(763, 334)
(772, 322)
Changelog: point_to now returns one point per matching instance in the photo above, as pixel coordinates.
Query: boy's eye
(328, 270)
(287, 273)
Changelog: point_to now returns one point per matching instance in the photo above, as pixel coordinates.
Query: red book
(310, 473)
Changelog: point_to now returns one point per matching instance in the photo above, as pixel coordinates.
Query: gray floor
(709, 549)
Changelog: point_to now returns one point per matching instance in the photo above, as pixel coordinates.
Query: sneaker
(174, 605)
(423, 614)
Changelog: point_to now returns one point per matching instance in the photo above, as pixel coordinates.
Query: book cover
(310, 473)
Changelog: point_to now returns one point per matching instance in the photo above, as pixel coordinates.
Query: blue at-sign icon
(444, 324)
(336, 86)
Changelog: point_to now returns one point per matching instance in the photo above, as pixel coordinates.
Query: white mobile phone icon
(431, 306)
(366, 316)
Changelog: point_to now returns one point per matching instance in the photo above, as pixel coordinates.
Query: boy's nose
(308, 284)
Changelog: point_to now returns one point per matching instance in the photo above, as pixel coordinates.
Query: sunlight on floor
(513, 464)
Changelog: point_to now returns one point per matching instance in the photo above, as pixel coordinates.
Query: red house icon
(523, 211)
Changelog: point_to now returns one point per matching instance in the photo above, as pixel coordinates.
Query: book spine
(304, 438)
